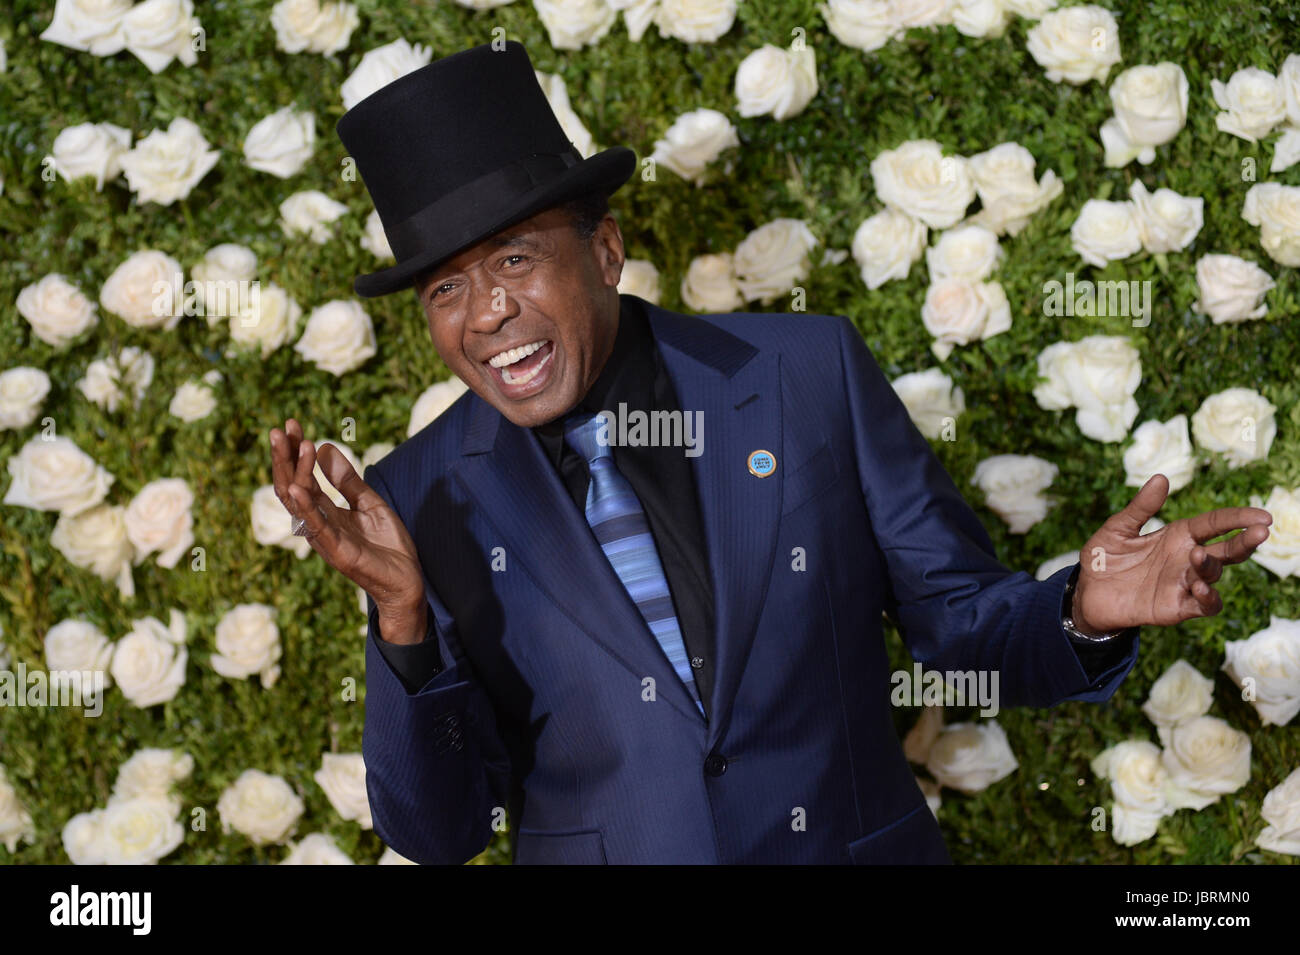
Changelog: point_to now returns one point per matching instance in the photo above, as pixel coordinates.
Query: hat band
(482, 201)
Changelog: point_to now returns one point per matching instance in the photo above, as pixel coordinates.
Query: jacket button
(715, 765)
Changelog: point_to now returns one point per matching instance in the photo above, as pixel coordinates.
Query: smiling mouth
(517, 367)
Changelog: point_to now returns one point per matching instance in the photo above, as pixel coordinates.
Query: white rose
(1286, 151)
(56, 310)
(1167, 222)
(15, 821)
(922, 13)
(640, 278)
(1150, 109)
(1054, 564)
(193, 401)
(144, 290)
(390, 857)
(1270, 659)
(1253, 102)
(1281, 552)
(1289, 79)
(863, 24)
(1076, 44)
(1205, 758)
(81, 838)
(149, 662)
(22, 392)
(958, 312)
(376, 453)
(159, 519)
(90, 149)
(307, 25)
(309, 212)
(1030, 9)
(557, 95)
(92, 26)
(967, 252)
(74, 650)
(96, 539)
(339, 337)
(267, 323)
(919, 180)
(381, 66)
(342, 776)
(1008, 190)
(273, 525)
(316, 849)
(1238, 423)
(375, 239)
(152, 773)
(1181, 694)
(1275, 208)
(573, 24)
(56, 476)
(218, 276)
(694, 140)
(1106, 230)
(1138, 782)
(980, 18)
(248, 643)
(970, 757)
(432, 402)
(158, 31)
(1161, 448)
(709, 284)
(773, 259)
(166, 166)
(1232, 289)
(1012, 486)
(931, 400)
(776, 81)
(886, 245)
(920, 738)
(1281, 810)
(137, 831)
(105, 378)
(1097, 375)
(637, 14)
(695, 21)
(261, 806)
(282, 142)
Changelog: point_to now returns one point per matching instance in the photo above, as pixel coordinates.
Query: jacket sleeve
(437, 772)
(957, 607)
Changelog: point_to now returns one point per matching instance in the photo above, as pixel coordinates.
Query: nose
(490, 304)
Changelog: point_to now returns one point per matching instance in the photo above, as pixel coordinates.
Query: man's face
(527, 317)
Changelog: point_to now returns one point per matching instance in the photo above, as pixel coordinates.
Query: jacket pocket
(537, 847)
(818, 472)
(914, 839)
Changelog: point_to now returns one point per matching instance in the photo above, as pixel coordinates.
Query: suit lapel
(738, 390)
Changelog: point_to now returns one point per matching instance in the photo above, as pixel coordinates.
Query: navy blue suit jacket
(557, 703)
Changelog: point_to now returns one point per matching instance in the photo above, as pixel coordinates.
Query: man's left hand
(1129, 579)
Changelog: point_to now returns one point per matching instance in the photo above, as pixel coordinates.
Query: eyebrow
(498, 242)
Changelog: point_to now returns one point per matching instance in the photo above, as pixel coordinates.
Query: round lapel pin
(762, 463)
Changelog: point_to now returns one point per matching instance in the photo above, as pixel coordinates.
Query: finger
(1205, 565)
(1240, 546)
(284, 455)
(321, 533)
(1142, 507)
(1211, 524)
(340, 472)
(1207, 598)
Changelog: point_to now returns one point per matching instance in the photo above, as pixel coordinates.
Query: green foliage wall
(968, 94)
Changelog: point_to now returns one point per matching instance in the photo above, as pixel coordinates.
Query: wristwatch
(1067, 618)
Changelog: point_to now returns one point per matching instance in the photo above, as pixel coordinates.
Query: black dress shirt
(663, 480)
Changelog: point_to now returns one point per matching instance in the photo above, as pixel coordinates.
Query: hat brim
(605, 172)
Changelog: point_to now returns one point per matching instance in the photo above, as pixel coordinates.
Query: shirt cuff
(414, 663)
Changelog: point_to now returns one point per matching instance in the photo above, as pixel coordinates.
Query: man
(639, 653)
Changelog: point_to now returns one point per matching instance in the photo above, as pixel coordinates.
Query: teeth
(526, 377)
(514, 354)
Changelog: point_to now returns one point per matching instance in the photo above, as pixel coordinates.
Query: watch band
(1067, 617)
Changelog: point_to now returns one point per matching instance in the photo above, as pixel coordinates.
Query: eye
(515, 255)
(434, 294)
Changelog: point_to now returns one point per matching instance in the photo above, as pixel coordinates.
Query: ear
(607, 246)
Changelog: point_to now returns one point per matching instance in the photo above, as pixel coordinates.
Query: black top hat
(458, 150)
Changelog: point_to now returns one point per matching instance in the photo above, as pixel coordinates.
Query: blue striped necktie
(619, 524)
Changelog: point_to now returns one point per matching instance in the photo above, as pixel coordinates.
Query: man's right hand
(367, 543)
